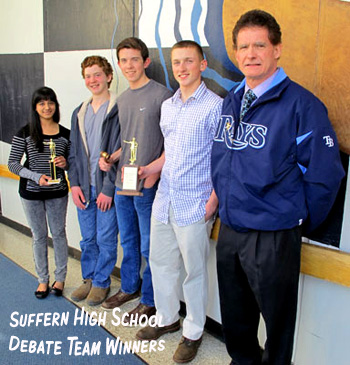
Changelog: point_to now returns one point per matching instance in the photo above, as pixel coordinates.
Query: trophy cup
(131, 178)
(53, 172)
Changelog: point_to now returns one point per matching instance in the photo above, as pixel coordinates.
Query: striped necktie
(248, 99)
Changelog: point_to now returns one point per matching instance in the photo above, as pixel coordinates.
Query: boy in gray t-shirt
(139, 116)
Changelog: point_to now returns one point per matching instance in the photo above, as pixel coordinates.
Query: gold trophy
(131, 184)
(53, 172)
(106, 156)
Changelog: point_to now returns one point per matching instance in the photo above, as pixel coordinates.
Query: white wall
(323, 324)
(21, 24)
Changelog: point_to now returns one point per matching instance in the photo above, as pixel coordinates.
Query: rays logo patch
(329, 141)
(247, 134)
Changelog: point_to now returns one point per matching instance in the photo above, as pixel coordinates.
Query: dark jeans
(258, 272)
(99, 231)
(134, 220)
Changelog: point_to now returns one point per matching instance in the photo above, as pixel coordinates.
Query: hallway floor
(17, 247)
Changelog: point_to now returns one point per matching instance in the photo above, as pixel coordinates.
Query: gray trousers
(38, 214)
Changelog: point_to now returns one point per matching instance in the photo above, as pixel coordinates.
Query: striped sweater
(37, 163)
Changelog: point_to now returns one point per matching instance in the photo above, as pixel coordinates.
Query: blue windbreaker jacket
(281, 165)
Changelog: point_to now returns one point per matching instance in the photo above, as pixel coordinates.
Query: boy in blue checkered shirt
(185, 202)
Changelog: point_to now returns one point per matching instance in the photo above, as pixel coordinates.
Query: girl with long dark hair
(44, 197)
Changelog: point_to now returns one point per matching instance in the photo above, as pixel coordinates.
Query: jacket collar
(280, 82)
(280, 76)
(82, 112)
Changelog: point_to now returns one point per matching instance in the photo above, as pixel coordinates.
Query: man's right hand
(143, 172)
(78, 197)
(104, 165)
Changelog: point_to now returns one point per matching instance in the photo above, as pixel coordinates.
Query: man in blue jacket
(275, 168)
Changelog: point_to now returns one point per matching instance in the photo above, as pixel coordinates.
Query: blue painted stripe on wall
(177, 32)
(227, 84)
(215, 36)
(195, 16)
(159, 45)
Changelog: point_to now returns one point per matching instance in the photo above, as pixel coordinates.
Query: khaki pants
(173, 248)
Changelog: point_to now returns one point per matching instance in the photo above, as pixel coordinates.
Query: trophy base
(131, 181)
(56, 181)
(129, 193)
